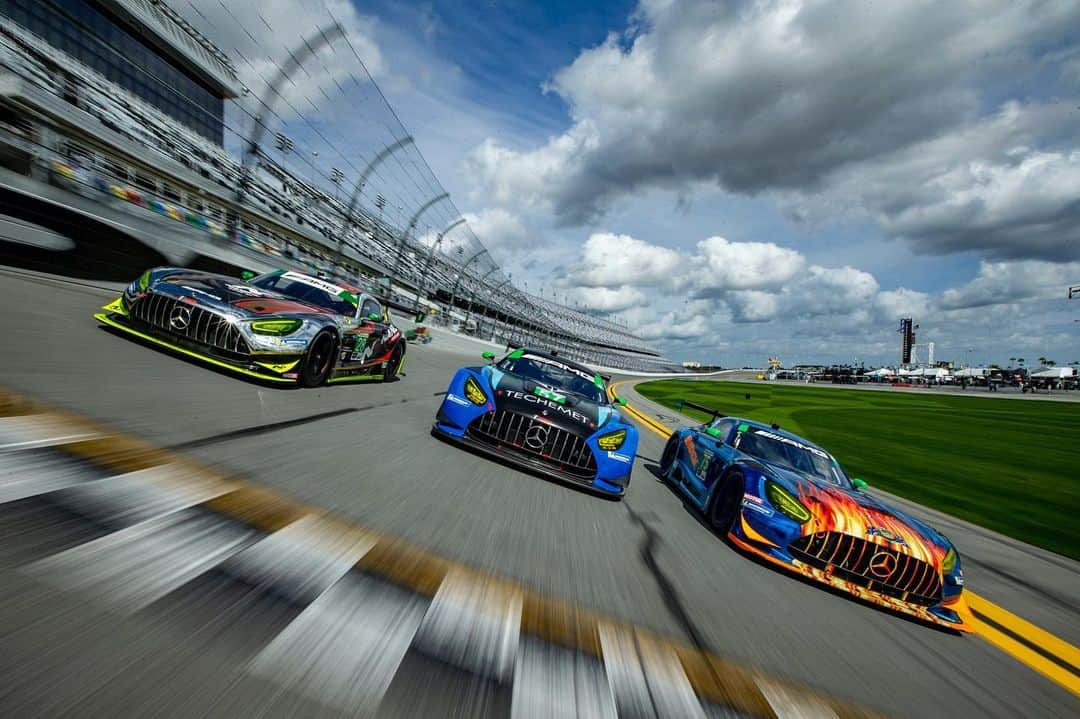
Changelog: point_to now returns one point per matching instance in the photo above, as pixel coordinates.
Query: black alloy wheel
(319, 360)
(726, 501)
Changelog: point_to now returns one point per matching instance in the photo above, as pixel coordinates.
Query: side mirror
(859, 484)
(714, 432)
(247, 275)
(620, 401)
(375, 317)
(490, 356)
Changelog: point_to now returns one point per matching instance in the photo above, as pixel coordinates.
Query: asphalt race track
(364, 453)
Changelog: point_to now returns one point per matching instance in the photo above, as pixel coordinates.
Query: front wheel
(667, 459)
(397, 357)
(727, 500)
(319, 360)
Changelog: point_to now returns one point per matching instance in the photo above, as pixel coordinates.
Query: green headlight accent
(276, 327)
(474, 393)
(516, 354)
(949, 563)
(144, 281)
(612, 441)
(785, 503)
(549, 395)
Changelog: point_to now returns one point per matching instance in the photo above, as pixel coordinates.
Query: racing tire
(392, 367)
(319, 360)
(667, 459)
(727, 499)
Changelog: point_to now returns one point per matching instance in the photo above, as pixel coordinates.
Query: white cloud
(607, 299)
(799, 97)
(1008, 282)
(672, 326)
(610, 260)
(726, 265)
(499, 229)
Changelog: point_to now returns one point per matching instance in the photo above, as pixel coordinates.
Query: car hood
(231, 294)
(518, 394)
(860, 514)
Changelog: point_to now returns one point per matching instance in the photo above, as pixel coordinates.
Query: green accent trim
(598, 381)
(354, 378)
(714, 432)
(105, 319)
(144, 281)
(116, 307)
(516, 354)
(744, 427)
(549, 395)
(280, 368)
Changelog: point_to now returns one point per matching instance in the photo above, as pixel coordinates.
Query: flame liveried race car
(788, 501)
(282, 326)
(544, 413)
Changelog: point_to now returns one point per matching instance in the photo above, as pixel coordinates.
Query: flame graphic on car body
(834, 510)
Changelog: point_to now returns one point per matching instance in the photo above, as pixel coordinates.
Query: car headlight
(143, 282)
(948, 564)
(612, 441)
(474, 393)
(785, 503)
(276, 327)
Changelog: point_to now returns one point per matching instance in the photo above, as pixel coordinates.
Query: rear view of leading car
(543, 413)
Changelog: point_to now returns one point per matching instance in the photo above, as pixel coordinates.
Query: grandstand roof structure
(180, 40)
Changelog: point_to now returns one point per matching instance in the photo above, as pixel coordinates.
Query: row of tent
(970, 372)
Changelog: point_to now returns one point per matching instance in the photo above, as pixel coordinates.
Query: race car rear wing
(693, 405)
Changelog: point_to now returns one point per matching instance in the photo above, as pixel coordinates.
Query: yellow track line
(1026, 630)
(1026, 655)
(1036, 636)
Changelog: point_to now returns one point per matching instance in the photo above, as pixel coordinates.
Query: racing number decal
(702, 467)
(359, 353)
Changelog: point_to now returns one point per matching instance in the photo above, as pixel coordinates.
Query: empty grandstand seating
(286, 216)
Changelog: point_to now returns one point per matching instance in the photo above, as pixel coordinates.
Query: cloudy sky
(735, 180)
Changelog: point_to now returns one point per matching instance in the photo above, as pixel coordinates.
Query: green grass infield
(1008, 465)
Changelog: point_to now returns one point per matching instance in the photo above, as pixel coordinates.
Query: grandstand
(74, 115)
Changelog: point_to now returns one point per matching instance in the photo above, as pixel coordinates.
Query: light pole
(434, 246)
(464, 268)
(362, 181)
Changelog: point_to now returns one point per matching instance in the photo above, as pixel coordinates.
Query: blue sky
(743, 180)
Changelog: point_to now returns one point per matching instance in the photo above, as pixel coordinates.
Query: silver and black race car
(283, 326)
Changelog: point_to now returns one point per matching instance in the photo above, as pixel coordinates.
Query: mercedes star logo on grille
(882, 565)
(180, 317)
(536, 437)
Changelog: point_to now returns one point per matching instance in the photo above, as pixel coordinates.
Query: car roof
(781, 432)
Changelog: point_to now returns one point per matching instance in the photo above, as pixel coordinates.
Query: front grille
(563, 450)
(876, 567)
(203, 327)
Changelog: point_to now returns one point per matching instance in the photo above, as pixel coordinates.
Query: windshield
(790, 453)
(311, 290)
(554, 375)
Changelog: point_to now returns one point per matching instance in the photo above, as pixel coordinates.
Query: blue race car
(543, 413)
(789, 502)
